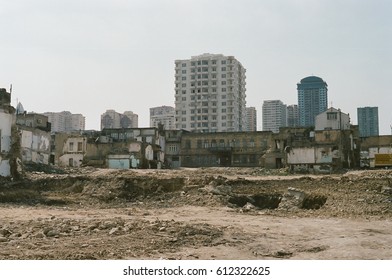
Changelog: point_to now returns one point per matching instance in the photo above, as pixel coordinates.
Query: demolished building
(34, 131)
(125, 148)
(333, 145)
(7, 122)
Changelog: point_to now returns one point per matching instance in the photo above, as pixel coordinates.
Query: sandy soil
(217, 213)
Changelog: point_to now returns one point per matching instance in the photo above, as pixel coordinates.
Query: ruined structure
(173, 148)
(376, 151)
(333, 145)
(7, 121)
(68, 149)
(34, 131)
(226, 149)
(127, 148)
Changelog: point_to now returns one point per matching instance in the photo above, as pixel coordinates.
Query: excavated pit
(314, 202)
(261, 201)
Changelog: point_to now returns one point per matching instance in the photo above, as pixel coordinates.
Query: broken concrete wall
(35, 145)
(6, 122)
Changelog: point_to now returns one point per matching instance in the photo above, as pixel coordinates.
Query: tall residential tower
(251, 119)
(368, 121)
(274, 115)
(312, 99)
(164, 115)
(210, 94)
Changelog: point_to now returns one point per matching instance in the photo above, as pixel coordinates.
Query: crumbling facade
(334, 145)
(376, 151)
(244, 149)
(7, 120)
(68, 149)
(173, 148)
(34, 131)
(127, 148)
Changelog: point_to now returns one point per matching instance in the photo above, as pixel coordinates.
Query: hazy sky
(87, 56)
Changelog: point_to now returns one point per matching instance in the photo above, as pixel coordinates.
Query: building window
(184, 65)
(80, 146)
(332, 116)
(71, 146)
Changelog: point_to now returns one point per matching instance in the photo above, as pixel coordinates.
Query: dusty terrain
(209, 213)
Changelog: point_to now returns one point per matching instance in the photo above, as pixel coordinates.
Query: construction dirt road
(208, 213)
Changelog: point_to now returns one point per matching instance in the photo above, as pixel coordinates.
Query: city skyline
(92, 56)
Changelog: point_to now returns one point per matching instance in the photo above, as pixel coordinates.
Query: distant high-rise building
(274, 115)
(164, 115)
(251, 119)
(210, 94)
(292, 116)
(129, 120)
(312, 99)
(368, 121)
(112, 119)
(66, 121)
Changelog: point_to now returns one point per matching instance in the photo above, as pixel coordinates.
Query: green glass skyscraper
(312, 99)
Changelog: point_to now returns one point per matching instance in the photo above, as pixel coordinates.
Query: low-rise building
(127, 148)
(238, 149)
(333, 145)
(68, 149)
(173, 148)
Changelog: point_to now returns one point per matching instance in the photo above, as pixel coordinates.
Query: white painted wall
(5, 128)
(300, 156)
(6, 121)
(149, 153)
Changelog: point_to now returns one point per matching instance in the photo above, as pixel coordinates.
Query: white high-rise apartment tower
(210, 94)
(164, 115)
(66, 121)
(274, 115)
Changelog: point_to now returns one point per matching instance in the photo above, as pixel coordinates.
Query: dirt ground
(207, 213)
